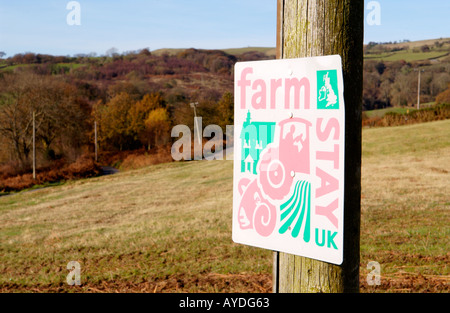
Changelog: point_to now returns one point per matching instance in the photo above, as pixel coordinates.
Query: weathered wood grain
(314, 28)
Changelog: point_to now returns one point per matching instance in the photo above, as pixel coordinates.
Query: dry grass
(405, 206)
(145, 227)
(167, 227)
(140, 160)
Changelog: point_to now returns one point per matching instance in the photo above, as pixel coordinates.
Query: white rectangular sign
(288, 192)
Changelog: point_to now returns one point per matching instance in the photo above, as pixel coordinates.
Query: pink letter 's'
(332, 124)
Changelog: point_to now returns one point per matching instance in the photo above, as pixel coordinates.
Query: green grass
(378, 56)
(13, 67)
(382, 112)
(58, 66)
(71, 65)
(399, 110)
(168, 227)
(408, 56)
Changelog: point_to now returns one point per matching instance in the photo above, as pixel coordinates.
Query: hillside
(421, 50)
(391, 72)
(134, 99)
(415, 44)
(270, 52)
(167, 228)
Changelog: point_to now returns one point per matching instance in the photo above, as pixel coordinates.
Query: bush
(10, 169)
(370, 121)
(138, 160)
(436, 113)
(83, 167)
(444, 97)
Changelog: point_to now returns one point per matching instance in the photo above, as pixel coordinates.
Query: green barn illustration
(255, 137)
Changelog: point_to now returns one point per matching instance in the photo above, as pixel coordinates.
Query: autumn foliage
(135, 98)
(83, 167)
(444, 97)
(439, 112)
(127, 123)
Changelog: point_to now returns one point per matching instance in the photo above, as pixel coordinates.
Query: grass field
(410, 52)
(407, 56)
(398, 110)
(382, 112)
(167, 228)
(406, 206)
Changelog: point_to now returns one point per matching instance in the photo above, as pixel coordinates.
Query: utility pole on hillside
(418, 88)
(34, 145)
(95, 141)
(307, 28)
(199, 132)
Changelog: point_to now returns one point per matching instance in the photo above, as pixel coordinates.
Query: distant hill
(386, 51)
(204, 75)
(409, 51)
(268, 51)
(419, 43)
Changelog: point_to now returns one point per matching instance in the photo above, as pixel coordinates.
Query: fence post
(309, 28)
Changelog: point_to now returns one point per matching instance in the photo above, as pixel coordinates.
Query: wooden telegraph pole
(95, 141)
(34, 145)
(308, 28)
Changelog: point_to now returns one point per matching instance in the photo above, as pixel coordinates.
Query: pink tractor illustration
(276, 171)
(279, 164)
(255, 211)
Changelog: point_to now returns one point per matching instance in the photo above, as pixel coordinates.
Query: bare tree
(58, 114)
(16, 117)
(112, 52)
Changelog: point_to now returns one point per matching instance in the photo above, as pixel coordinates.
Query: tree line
(136, 97)
(390, 84)
(395, 83)
(61, 117)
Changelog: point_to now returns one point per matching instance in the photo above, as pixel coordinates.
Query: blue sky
(40, 26)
